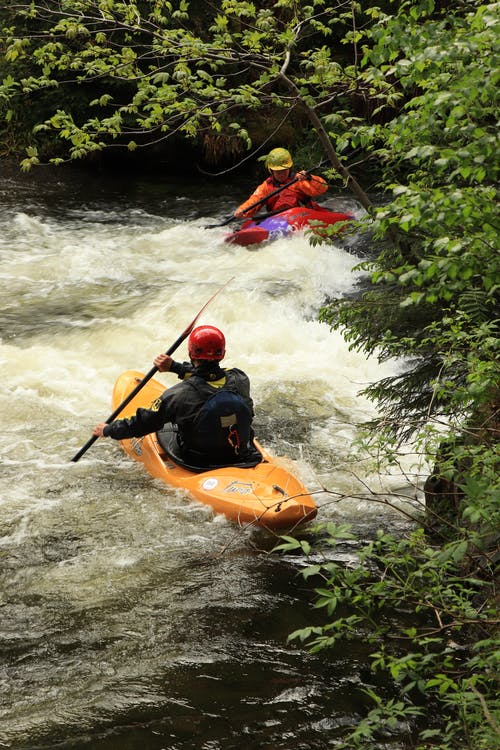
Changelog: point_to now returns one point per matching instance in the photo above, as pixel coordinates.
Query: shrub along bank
(433, 301)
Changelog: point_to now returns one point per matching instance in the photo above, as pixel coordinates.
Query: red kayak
(283, 224)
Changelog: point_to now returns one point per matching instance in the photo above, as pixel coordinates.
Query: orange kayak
(264, 495)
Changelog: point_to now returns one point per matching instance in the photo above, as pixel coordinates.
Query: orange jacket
(298, 194)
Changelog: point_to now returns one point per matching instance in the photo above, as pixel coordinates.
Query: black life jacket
(222, 430)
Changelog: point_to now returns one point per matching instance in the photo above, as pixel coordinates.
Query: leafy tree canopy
(137, 72)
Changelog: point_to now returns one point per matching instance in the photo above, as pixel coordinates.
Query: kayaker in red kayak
(211, 409)
(305, 187)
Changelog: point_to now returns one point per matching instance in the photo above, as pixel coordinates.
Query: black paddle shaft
(147, 377)
(262, 200)
(254, 205)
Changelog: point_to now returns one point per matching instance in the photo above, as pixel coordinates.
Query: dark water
(130, 616)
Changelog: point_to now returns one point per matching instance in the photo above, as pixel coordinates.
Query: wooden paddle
(149, 375)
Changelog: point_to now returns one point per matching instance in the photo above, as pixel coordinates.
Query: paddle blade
(150, 374)
(190, 327)
(247, 236)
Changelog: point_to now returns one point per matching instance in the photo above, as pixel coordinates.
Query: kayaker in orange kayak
(211, 409)
(302, 189)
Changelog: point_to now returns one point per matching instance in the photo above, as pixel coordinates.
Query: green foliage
(429, 613)
(148, 71)
(434, 298)
(428, 607)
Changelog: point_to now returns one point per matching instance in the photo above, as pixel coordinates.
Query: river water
(131, 617)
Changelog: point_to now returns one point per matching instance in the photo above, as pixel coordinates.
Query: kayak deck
(283, 223)
(265, 494)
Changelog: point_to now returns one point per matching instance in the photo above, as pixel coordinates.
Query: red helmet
(207, 342)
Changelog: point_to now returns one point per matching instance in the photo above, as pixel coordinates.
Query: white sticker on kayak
(210, 484)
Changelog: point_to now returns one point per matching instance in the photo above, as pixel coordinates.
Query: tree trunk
(350, 181)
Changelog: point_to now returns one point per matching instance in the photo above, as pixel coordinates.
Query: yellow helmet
(279, 158)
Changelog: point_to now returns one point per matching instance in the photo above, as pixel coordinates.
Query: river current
(130, 616)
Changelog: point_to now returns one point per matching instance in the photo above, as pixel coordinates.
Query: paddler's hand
(238, 214)
(302, 175)
(163, 362)
(97, 431)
